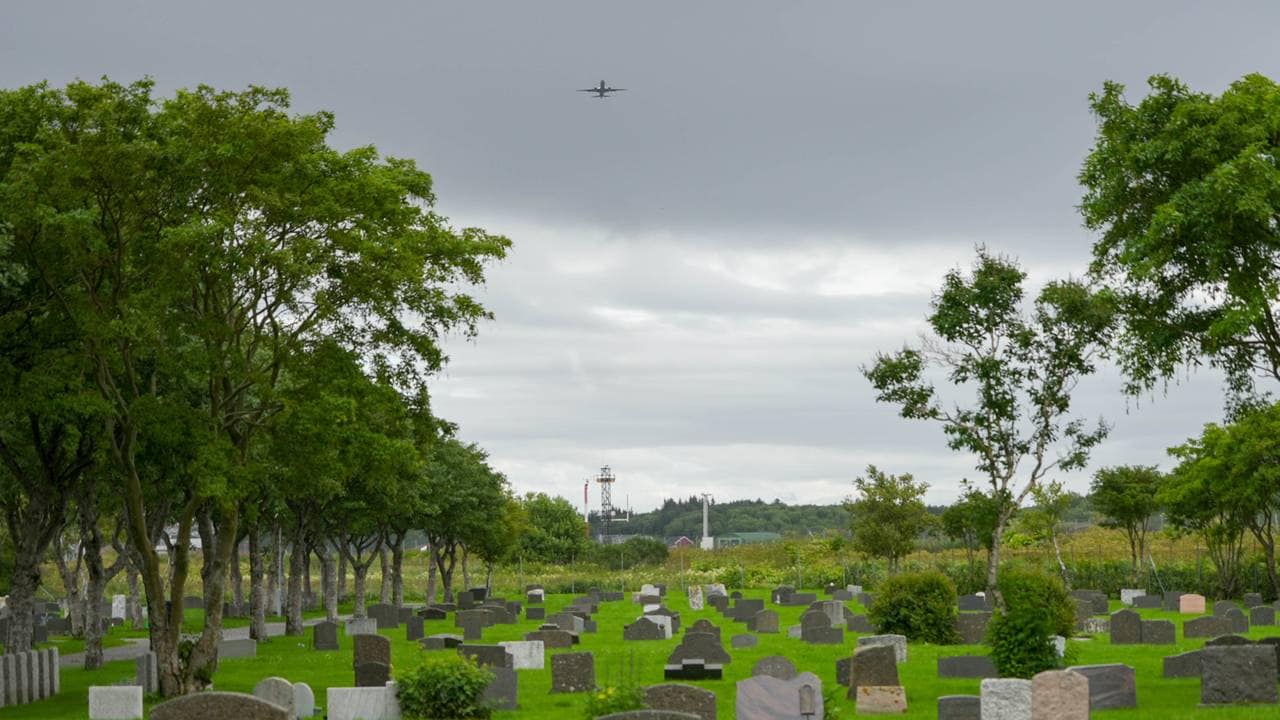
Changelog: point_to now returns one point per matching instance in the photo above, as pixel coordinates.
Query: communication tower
(606, 480)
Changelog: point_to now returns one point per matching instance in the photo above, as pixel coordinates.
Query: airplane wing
(617, 89)
(589, 90)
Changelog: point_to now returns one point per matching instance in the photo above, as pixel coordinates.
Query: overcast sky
(702, 263)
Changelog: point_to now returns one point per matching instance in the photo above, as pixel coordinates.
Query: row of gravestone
(29, 676)
(1231, 669)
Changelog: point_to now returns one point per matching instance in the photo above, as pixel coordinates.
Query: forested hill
(684, 517)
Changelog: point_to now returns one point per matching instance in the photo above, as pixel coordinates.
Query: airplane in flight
(602, 90)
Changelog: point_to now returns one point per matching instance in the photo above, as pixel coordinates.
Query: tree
(1228, 483)
(1127, 497)
(888, 514)
(196, 246)
(972, 519)
(1043, 521)
(465, 499)
(556, 532)
(1021, 369)
(1182, 188)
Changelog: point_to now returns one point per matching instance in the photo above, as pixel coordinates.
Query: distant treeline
(684, 517)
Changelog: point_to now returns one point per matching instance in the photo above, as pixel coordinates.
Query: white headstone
(1059, 645)
(650, 608)
(277, 691)
(362, 703)
(304, 701)
(526, 654)
(1005, 699)
(115, 702)
(663, 621)
(897, 642)
(1127, 595)
(695, 597)
(362, 626)
(119, 606)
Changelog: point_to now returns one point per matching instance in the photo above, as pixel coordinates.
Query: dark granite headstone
(1206, 627)
(466, 601)
(413, 628)
(472, 622)
(433, 613)
(973, 602)
(967, 666)
(781, 593)
(972, 627)
(1186, 664)
(535, 613)
(693, 669)
(501, 691)
(774, 666)
(441, 642)
(1243, 674)
(643, 629)
(1228, 641)
(553, 638)
(765, 621)
(1110, 686)
(1239, 621)
(218, 706)
(872, 665)
(488, 655)
(860, 624)
(573, 672)
(1148, 602)
(1159, 632)
(702, 646)
(370, 648)
(1126, 627)
(678, 697)
(324, 636)
(1172, 600)
(372, 674)
(1222, 606)
(1262, 616)
(1252, 600)
(959, 707)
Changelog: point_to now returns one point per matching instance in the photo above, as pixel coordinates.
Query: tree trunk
(274, 581)
(1062, 566)
(72, 583)
(257, 593)
(361, 571)
(330, 583)
(22, 593)
(133, 607)
(431, 574)
(342, 574)
(308, 592)
(384, 566)
(397, 571)
(297, 563)
(446, 569)
(993, 564)
(236, 579)
(466, 571)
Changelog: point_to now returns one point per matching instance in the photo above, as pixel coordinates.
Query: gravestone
(1110, 686)
(501, 691)
(719, 602)
(644, 628)
(277, 691)
(834, 611)
(1191, 604)
(973, 602)
(535, 597)
(413, 629)
(1262, 615)
(1232, 640)
(386, 616)
(959, 707)
(526, 654)
(535, 613)
(362, 626)
(872, 666)
(972, 627)
(842, 595)
(552, 638)
(860, 624)
(404, 614)
(493, 656)
(192, 602)
(433, 613)
(780, 594)
(1097, 601)
(1243, 674)
(745, 640)
(573, 672)
(370, 648)
(122, 702)
(567, 621)
(119, 606)
(324, 636)
(1128, 595)
(1207, 626)
(704, 626)
(1059, 695)
(967, 666)
(765, 621)
(304, 700)
(472, 622)
(1186, 664)
(1252, 600)
(233, 649)
(1239, 622)
(702, 646)
(693, 669)
(1126, 627)
(695, 597)
(815, 628)
(1222, 606)
(1005, 699)
(1148, 602)
(362, 703)
(744, 609)
(466, 601)
(372, 674)
(442, 641)
(775, 666)
(1095, 626)
(1159, 632)
(1172, 600)
(145, 673)
(897, 642)
(218, 706)
(678, 697)
(880, 700)
(762, 697)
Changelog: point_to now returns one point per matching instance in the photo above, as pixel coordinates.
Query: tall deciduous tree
(1044, 519)
(1182, 187)
(1021, 368)
(465, 499)
(888, 514)
(557, 532)
(201, 242)
(1127, 498)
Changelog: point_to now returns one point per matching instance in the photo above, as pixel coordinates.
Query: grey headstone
(1186, 664)
(488, 655)
(433, 613)
(704, 626)
(370, 648)
(681, 698)
(873, 665)
(146, 673)
(502, 690)
(573, 672)
(897, 642)
(780, 594)
(218, 706)
(553, 638)
(959, 707)
(765, 621)
(763, 697)
(1171, 600)
(702, 646)
(973, 602)
(1239, 621)
(1159, 632)
(745, 640)
(1206, 627)
(242, 648)
(860, 624)
(387, 617)
(1110, 686)
(362, 626)
(472, 622)
(324, 636)
(1252, 600)
(466, 600)
(440, 642)
(775, 666)
(535, 613)
(1005, 699)
(277, 691)
(1244, 674)
(372, 674)
(304, 700)
(972, 627)
(693, 669)
(644, 628)
(1262, 616)
(1148, 602)
(122, 702)
(1222, 606)
(967, 666)
(414, 629)
(1126, 627)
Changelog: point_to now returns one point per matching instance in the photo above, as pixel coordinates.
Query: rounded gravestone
(218, 706)
(276, 690)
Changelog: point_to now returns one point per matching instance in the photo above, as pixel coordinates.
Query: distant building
(746, 538)
(680, 542)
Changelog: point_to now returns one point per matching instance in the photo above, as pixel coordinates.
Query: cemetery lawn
(642, 661)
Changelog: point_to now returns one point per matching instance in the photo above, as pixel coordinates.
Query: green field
(1158, 699)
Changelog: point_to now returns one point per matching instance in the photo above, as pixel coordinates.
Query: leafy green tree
(196, 245)
(1020, 367)
(1043, 521)
(1127, 498)
(1181, 187)
(1228, 483)
(556, 531)
(971, 520)
(465, 499)
(888, 515)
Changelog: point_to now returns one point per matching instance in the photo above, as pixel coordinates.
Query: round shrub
(919, 605)
(444, 687)
(614, 699)
(1037, 607)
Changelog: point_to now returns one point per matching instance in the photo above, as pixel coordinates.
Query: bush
(636, 551)
(444, 687)
(920, 605)
(616, 699)
(1037, 607)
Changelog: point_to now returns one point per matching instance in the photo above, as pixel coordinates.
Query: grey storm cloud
(702, 263)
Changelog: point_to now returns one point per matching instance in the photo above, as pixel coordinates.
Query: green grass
(1158, 699)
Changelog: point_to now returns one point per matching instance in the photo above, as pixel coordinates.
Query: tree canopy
(888, 514)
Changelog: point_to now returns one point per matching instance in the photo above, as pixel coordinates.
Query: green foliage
(444, 687)
(888, 514)
(919, 605)
(556, 533)
(972, 519)
(1182, 187)
(1127, 497)
(613, 699)
(1037, 607)
(635, 551)
(679, 517)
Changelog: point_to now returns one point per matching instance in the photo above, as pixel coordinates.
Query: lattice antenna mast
(606, 480)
